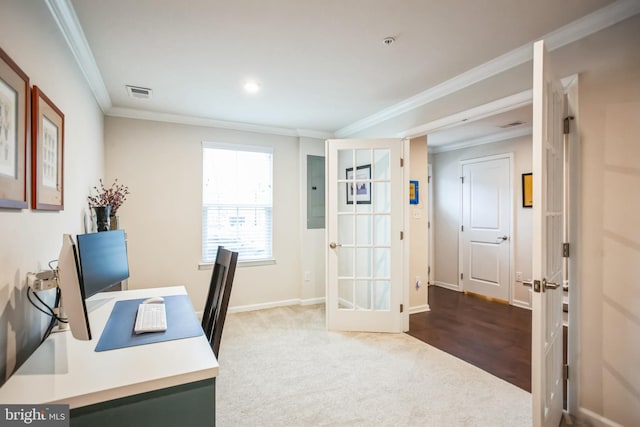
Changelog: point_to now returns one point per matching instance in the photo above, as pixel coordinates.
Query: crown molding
(310, 133)
(488, 139)
(67, 21)
(498, 106)
(471, 115)
(580, 28)
(130, 113)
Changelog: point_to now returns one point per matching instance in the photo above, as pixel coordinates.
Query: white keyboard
(151, 318)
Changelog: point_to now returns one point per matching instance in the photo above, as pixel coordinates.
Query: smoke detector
(388, 41)
(139, 92)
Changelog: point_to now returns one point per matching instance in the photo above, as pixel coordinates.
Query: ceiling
(322, 66)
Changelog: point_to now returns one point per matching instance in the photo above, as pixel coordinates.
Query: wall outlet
(307, 276)
(518, 276)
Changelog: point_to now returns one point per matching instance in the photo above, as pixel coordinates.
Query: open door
(365, 200)
(546, 330)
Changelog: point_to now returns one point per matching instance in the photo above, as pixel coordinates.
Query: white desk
(66, 370)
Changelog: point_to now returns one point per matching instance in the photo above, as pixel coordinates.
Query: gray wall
(30, 239)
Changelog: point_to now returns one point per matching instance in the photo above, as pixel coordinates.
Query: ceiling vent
(139, 92)
(512, 124)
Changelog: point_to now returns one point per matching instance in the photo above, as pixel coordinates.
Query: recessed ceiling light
(251, 86)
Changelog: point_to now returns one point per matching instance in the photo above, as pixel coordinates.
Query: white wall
(419, 219)
(609, 254)
(312, 241)
(162, 165)
(446, 188)
(29, 239)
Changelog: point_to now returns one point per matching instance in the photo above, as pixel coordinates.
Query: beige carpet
(281, 367)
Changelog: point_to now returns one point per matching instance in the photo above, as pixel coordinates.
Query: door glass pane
(345, 229)
(382, 295)
(381, 164)
(363, 262)
(363, 230)
(343, 206)
(382, 230)
(345, 262)
(381, 197)
(382, 262)
(346, 298)
(363, 157)
(363, 295)
(345, 161)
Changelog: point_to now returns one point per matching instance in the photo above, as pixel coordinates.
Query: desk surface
(66, 370)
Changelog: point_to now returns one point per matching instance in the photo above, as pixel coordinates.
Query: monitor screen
(72, 302)
(103, 260)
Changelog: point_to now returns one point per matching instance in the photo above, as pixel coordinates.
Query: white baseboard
(313, 301)
(521, 304)
(447, 286)
(594, 419)
(419, 309)
(274, 304)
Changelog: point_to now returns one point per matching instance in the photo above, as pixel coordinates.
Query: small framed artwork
(359, 189)
(47, 153)
(414, 195)
(14, 133)
(527, 190)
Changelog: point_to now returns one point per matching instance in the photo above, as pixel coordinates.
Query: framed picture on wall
(14, 133)
(359, 189)
(414, 193)
(47, 153)
(527, 190)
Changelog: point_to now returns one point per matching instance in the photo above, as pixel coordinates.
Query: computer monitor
(103, 260)
(72, 293)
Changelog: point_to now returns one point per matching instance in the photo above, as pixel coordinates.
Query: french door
(548, 193)
(365, 207)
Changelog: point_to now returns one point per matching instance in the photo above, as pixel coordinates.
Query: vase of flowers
(106, 203)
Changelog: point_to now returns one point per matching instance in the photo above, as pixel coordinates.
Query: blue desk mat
(118, 333)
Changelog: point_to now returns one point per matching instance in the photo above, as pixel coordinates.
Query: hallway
(493, 336)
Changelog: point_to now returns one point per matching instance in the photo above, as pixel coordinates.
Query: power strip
(42, 281)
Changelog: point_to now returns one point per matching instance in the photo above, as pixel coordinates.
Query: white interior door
(365, 194)
(486, 227)
(546, 355)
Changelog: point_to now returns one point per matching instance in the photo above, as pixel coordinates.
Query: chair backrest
(215, 309)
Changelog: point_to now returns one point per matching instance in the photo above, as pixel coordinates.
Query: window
(237, 201)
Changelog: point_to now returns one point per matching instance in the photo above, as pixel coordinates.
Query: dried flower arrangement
(113, 196)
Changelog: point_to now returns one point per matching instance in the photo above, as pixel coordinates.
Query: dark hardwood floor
(493, 336)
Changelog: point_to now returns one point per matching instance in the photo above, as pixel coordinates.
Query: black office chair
(215, 309)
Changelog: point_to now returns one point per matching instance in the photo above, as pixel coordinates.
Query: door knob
(549, 285)
(334, 245)
(503, 238)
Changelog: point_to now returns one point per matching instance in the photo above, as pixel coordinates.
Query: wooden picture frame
(527, 190)
(362, 192)
(47, 153)
(14, 133)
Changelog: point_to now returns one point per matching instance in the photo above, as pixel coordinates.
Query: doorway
(485, 230)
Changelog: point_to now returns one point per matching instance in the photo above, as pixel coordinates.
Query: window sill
(258, 263)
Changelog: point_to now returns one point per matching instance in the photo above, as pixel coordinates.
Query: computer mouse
(153, 300)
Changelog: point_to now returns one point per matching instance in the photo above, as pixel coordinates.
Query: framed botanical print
(14, 133)
(47, 153)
